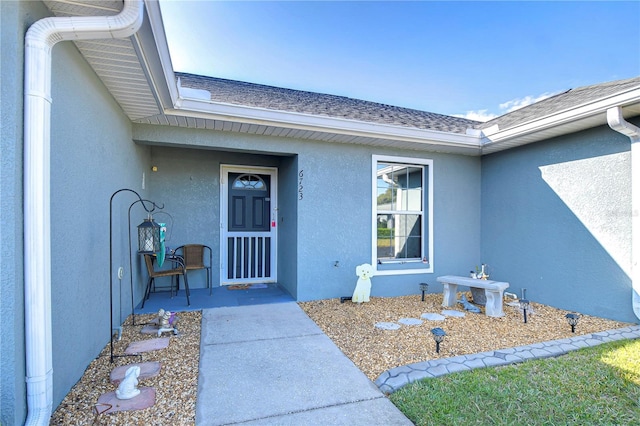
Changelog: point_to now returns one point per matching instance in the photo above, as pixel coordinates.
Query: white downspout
(39, 42)
(619, 124)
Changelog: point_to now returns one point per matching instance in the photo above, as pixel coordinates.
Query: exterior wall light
(573, 319)
(438, 335)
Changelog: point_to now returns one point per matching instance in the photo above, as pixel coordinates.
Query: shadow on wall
(597, 191)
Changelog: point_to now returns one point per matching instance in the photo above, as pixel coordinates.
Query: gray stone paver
(475, 363)
(580, 344)
(438, 370)
(541, 353)
(492, 361)
(454, 367)
(395, 378)
(416, 375)
(568, 347)
(457, 359)
(512, 359)
(410, 321)
(526, 355)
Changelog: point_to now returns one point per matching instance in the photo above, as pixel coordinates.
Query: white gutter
(39, 42)
(207, 109)
(494, 138)
(619, 124)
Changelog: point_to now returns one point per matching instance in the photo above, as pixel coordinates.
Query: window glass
(402, 215)
(247, 181)
(399, 211)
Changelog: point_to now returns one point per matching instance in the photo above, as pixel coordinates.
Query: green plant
(598, 385)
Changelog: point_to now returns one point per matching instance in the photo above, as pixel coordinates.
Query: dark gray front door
(249, 202)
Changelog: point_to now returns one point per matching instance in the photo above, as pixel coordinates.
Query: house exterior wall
(187, 183)
(329, 218)
(92, 155)
(14, 17)
(556, 221)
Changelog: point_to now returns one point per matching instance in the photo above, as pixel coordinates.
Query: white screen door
(248, 207)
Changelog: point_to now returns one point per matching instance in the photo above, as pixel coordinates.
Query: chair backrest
(176, 270)
(193, 256)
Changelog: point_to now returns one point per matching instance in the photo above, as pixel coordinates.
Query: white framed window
(402, 215)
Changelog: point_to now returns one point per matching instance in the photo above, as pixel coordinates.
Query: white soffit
(115, 61)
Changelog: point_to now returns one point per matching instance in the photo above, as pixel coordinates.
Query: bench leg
(450, 292)
(493, 308)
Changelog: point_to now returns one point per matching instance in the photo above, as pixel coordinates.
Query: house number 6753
(300, 187)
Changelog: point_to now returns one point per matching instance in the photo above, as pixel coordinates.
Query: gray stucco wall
(187, 182)
(92, 155)
(12, 385)
(556, 220)
(332, 221)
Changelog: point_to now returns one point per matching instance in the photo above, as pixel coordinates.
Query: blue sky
(476, 59)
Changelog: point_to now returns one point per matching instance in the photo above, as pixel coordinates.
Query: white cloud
(518, 103)
(480, 115)
(504, 108)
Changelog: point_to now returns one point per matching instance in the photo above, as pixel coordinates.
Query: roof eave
(163, 79)
(582, 117)
(198, 108)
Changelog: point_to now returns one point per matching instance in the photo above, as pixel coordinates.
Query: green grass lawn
(592, 386)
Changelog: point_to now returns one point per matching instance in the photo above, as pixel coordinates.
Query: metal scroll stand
(133, 314)
(149, 211)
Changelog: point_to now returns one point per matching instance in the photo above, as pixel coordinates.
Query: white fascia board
(221, 111)
(157, 26)
(568, 116)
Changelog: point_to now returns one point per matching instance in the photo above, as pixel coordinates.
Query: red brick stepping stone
(145, 399)
(147, 369)
(147, 345)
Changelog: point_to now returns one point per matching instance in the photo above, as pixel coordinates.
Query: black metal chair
(193, 255)
(178, 270)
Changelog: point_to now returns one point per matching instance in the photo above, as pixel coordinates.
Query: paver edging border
(395, 378)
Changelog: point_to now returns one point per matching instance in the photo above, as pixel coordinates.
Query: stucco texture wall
(92, 156)
(14, 18)
(556, 221)
(329, 218)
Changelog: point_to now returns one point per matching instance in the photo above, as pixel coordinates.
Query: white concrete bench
(492, 289)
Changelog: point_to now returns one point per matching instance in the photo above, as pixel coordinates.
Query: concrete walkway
(394, 379)
(272, 365)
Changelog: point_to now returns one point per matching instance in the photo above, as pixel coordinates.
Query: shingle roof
(560, 102)
(297, 101)
(276, 98)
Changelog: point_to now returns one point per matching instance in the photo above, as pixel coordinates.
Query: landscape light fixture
(423, 289)
(573, 319)
(524, 305)
(438, 335)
